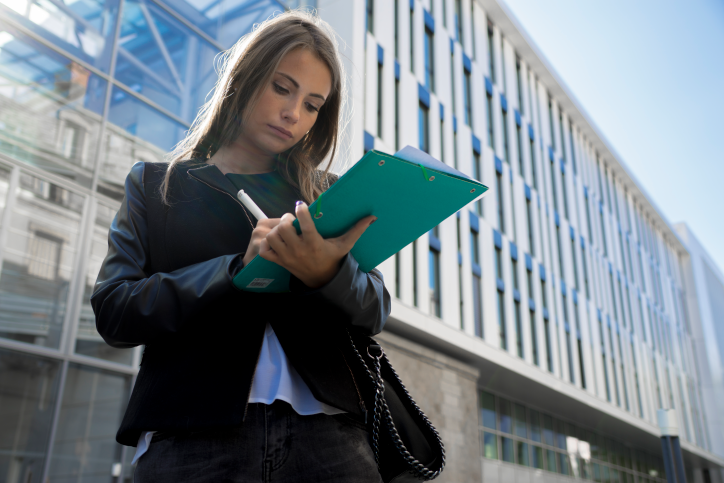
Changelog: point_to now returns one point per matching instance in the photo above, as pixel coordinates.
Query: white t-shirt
(274, 378)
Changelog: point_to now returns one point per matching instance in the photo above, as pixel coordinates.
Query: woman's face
(288, 105)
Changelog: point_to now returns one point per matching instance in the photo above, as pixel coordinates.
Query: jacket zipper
(227, 194)
(361, 401)
(258, 354)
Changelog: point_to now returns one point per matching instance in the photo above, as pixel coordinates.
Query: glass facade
(87, 89)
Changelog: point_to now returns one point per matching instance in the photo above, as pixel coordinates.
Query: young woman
(233, 385)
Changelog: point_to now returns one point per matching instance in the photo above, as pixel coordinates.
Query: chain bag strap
(395, 460)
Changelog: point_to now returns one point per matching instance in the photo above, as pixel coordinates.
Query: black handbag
(406, 445)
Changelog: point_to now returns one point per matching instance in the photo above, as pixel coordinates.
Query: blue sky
(650, 73)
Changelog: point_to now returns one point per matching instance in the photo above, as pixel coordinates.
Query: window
(477, 175)
(370, 20)
(452, 82)
(585, 272)
(534, 338)
(564, 312)
(472, 27)
(519, 80)
(549, 349)
(379, 100)
(442, 139)
(501, 321)
(491, 135)
(518, 321)
(397, 275)
(423, 128)
(397, 113)
(397, 30)
(580, 348)
(434, 261)
(560, 252)
(429, 60)
(506, 149)
(491, 53)
(565, 194)
(459, 21)
(563, 140)
(519, 135)
(504, 83)
(533, 176)
(501, 216)
(474, 248)
(574, 278)
(468, 98)
(531, 243)
(412, 39)
(550, 120)
(498, 263)
(414, 274)
(573, 149)
(553, 185)
(477, 306)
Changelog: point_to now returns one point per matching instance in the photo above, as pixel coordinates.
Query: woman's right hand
(263, 227)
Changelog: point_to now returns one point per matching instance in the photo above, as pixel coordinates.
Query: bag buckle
(374, 351)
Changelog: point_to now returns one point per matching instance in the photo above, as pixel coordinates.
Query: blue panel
(563, 168)
(455, 124)
(434, 241)
(531, 304)
(423, 94)
(488, 86)
(516, 295)
(556, 218)
(545, 313)
(572, 233)
(575, 296)
(460, 258)
(429, 21)
(618, 275)
(585, 192)
(503, 102)
(380, 55)
(527, 192)
(599, 314)
(610, 269)
(513, 251)
(531, 133)
(452, 46)
(518, 120)
(477, 270)
(474, 222)
(542, 271)
(397, 70)
(567, 327)
(563, 286)
(476, 144)
(551, 154)
(500, 284)
(498, 165)
(412, 4)
(442, 112)
(528, 263)
(497, 239)
(608, 320)
(547, 214)
(457, 214)
(369, 141)
(467, 63)
(583, 242)
(600, 207)
(510, 175)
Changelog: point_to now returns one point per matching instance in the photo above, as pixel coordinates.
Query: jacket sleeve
(133, 306)
(361, 295)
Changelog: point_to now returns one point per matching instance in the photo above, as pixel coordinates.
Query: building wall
(88, 89)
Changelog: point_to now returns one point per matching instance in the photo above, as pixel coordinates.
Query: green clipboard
(409, 193)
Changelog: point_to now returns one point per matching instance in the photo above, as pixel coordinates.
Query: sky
(650, 73)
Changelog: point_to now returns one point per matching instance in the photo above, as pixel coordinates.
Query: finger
(269, 223)
(275, 241)
(270, 255)
(287, 231)
(309, 230)
(353, 234)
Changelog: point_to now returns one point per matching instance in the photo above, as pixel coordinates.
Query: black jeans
(274, 444)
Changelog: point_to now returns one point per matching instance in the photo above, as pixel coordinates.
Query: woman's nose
(291, 111)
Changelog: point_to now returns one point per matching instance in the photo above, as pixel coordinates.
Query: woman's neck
(239, 159)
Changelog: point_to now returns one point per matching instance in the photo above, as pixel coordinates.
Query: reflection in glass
(91, 411)
(84, 28)
(507, 449)
(88, 340)
(39, 259)
(140, 119)
(563, 464)
(535, 432)
(521, 429)
(548, 434)
(506, 423)
(50, 108)
(164, 60)
(122, 151)
(29, 387)
(490, 446)
(550, 460)
(487, 409)
(522, 453)
(226, 20)
(537, 457)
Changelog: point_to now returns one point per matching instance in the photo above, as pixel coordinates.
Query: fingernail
(298, 203)
(373, 221)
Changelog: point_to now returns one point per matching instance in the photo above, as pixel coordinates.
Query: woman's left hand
(309, 257)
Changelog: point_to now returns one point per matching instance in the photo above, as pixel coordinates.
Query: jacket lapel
(211, 176)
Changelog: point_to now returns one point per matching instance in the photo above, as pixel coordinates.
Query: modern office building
(540, 328)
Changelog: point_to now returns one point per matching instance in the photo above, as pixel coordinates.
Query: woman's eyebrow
(296, 84)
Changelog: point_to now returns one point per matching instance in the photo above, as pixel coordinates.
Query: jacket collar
(210, 175)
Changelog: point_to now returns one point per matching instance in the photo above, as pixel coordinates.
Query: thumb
(354, 233)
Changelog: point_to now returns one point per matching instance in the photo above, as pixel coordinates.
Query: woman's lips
(282, 132)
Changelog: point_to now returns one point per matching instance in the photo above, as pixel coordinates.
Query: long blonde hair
(246, 69)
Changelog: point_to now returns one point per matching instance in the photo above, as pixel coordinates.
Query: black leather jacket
(166, 283)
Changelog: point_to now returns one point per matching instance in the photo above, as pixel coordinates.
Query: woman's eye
(311, 108)
(279, 88)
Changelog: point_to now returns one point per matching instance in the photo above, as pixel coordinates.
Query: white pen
(251, 206)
